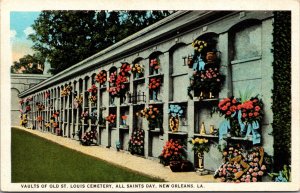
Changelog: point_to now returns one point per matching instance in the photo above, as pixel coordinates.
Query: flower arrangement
(93, 99)
(66, 91)
(138, 70)
(154, 64)
(125, 69)
(78, 100)
(88, 138)
(228, 107)
(47, 94)
(112, 77)
(252, 109)
(172, 151)
(93, 89)
(175, 110)
(111, 119)
(120, 86)
(199, 45)
(283, 176)
(241, 165)
(93, 96)
(84, 115)
(55, 124)
(27, 108)
(112, 91)
(101, 77)
(124, 118)
(200, 145)
(23, 120)
(21, 102)
(155, 84)
(47, 125)
(39, 118)
(206, 81)
(40, 106)
(136, 142)
(153, 116)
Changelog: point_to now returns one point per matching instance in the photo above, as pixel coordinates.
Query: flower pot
(175, 166)
(210, 57)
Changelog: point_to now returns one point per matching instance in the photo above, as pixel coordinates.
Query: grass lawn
(35, 159)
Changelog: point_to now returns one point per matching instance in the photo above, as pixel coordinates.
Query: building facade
(241, 44)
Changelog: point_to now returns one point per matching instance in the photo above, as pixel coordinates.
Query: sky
(20, 28)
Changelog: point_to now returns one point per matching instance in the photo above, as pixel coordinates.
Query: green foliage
(38, 160)
(68, 37)
(29, 64)
(246, 95)
(282, 89)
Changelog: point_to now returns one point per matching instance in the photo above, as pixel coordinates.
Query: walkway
(126, 160)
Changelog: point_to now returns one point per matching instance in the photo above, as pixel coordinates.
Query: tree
(29, 64)
(67, 37)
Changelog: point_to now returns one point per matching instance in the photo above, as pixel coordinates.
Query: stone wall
(244, 45)
(19, 83)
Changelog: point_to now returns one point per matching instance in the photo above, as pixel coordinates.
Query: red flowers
(173, 150)
(39, 118)
(111, 118)
(251, 109)
(154, 64)
(125, 69)
(93, 89)
(228, 106)
(101, 77)
(155, 83)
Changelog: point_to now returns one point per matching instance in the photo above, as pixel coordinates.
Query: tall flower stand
(201, 171)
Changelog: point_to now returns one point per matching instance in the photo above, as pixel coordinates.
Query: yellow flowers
(137, 68)
(199, 141)
(199, 45)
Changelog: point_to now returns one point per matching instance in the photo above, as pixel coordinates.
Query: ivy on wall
(282, 88)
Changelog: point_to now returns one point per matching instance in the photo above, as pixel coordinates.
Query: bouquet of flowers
(112, 91)
(23, 120)
(175, 110)
(40, 106)
(21, 102)
(137, 70)
(27, 108)
(30, 98)
(39, 118)
(47, 125)
(228, 107)
(136, 142)
(241, 165)
(78, 101)
(93, 99)
(172, 151)
(84, 115)
(120, 86)
(251, 110)
(200, 145)
(155, 84)
(112, 77)
(111, 119)
(66, 91)
(154, 64)
(88, 138)
(124, 118)
(153, 116)
(55, 124)
(47, 94)
(199, 45)
(101, 77)
(125, 69)
(93, 89)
